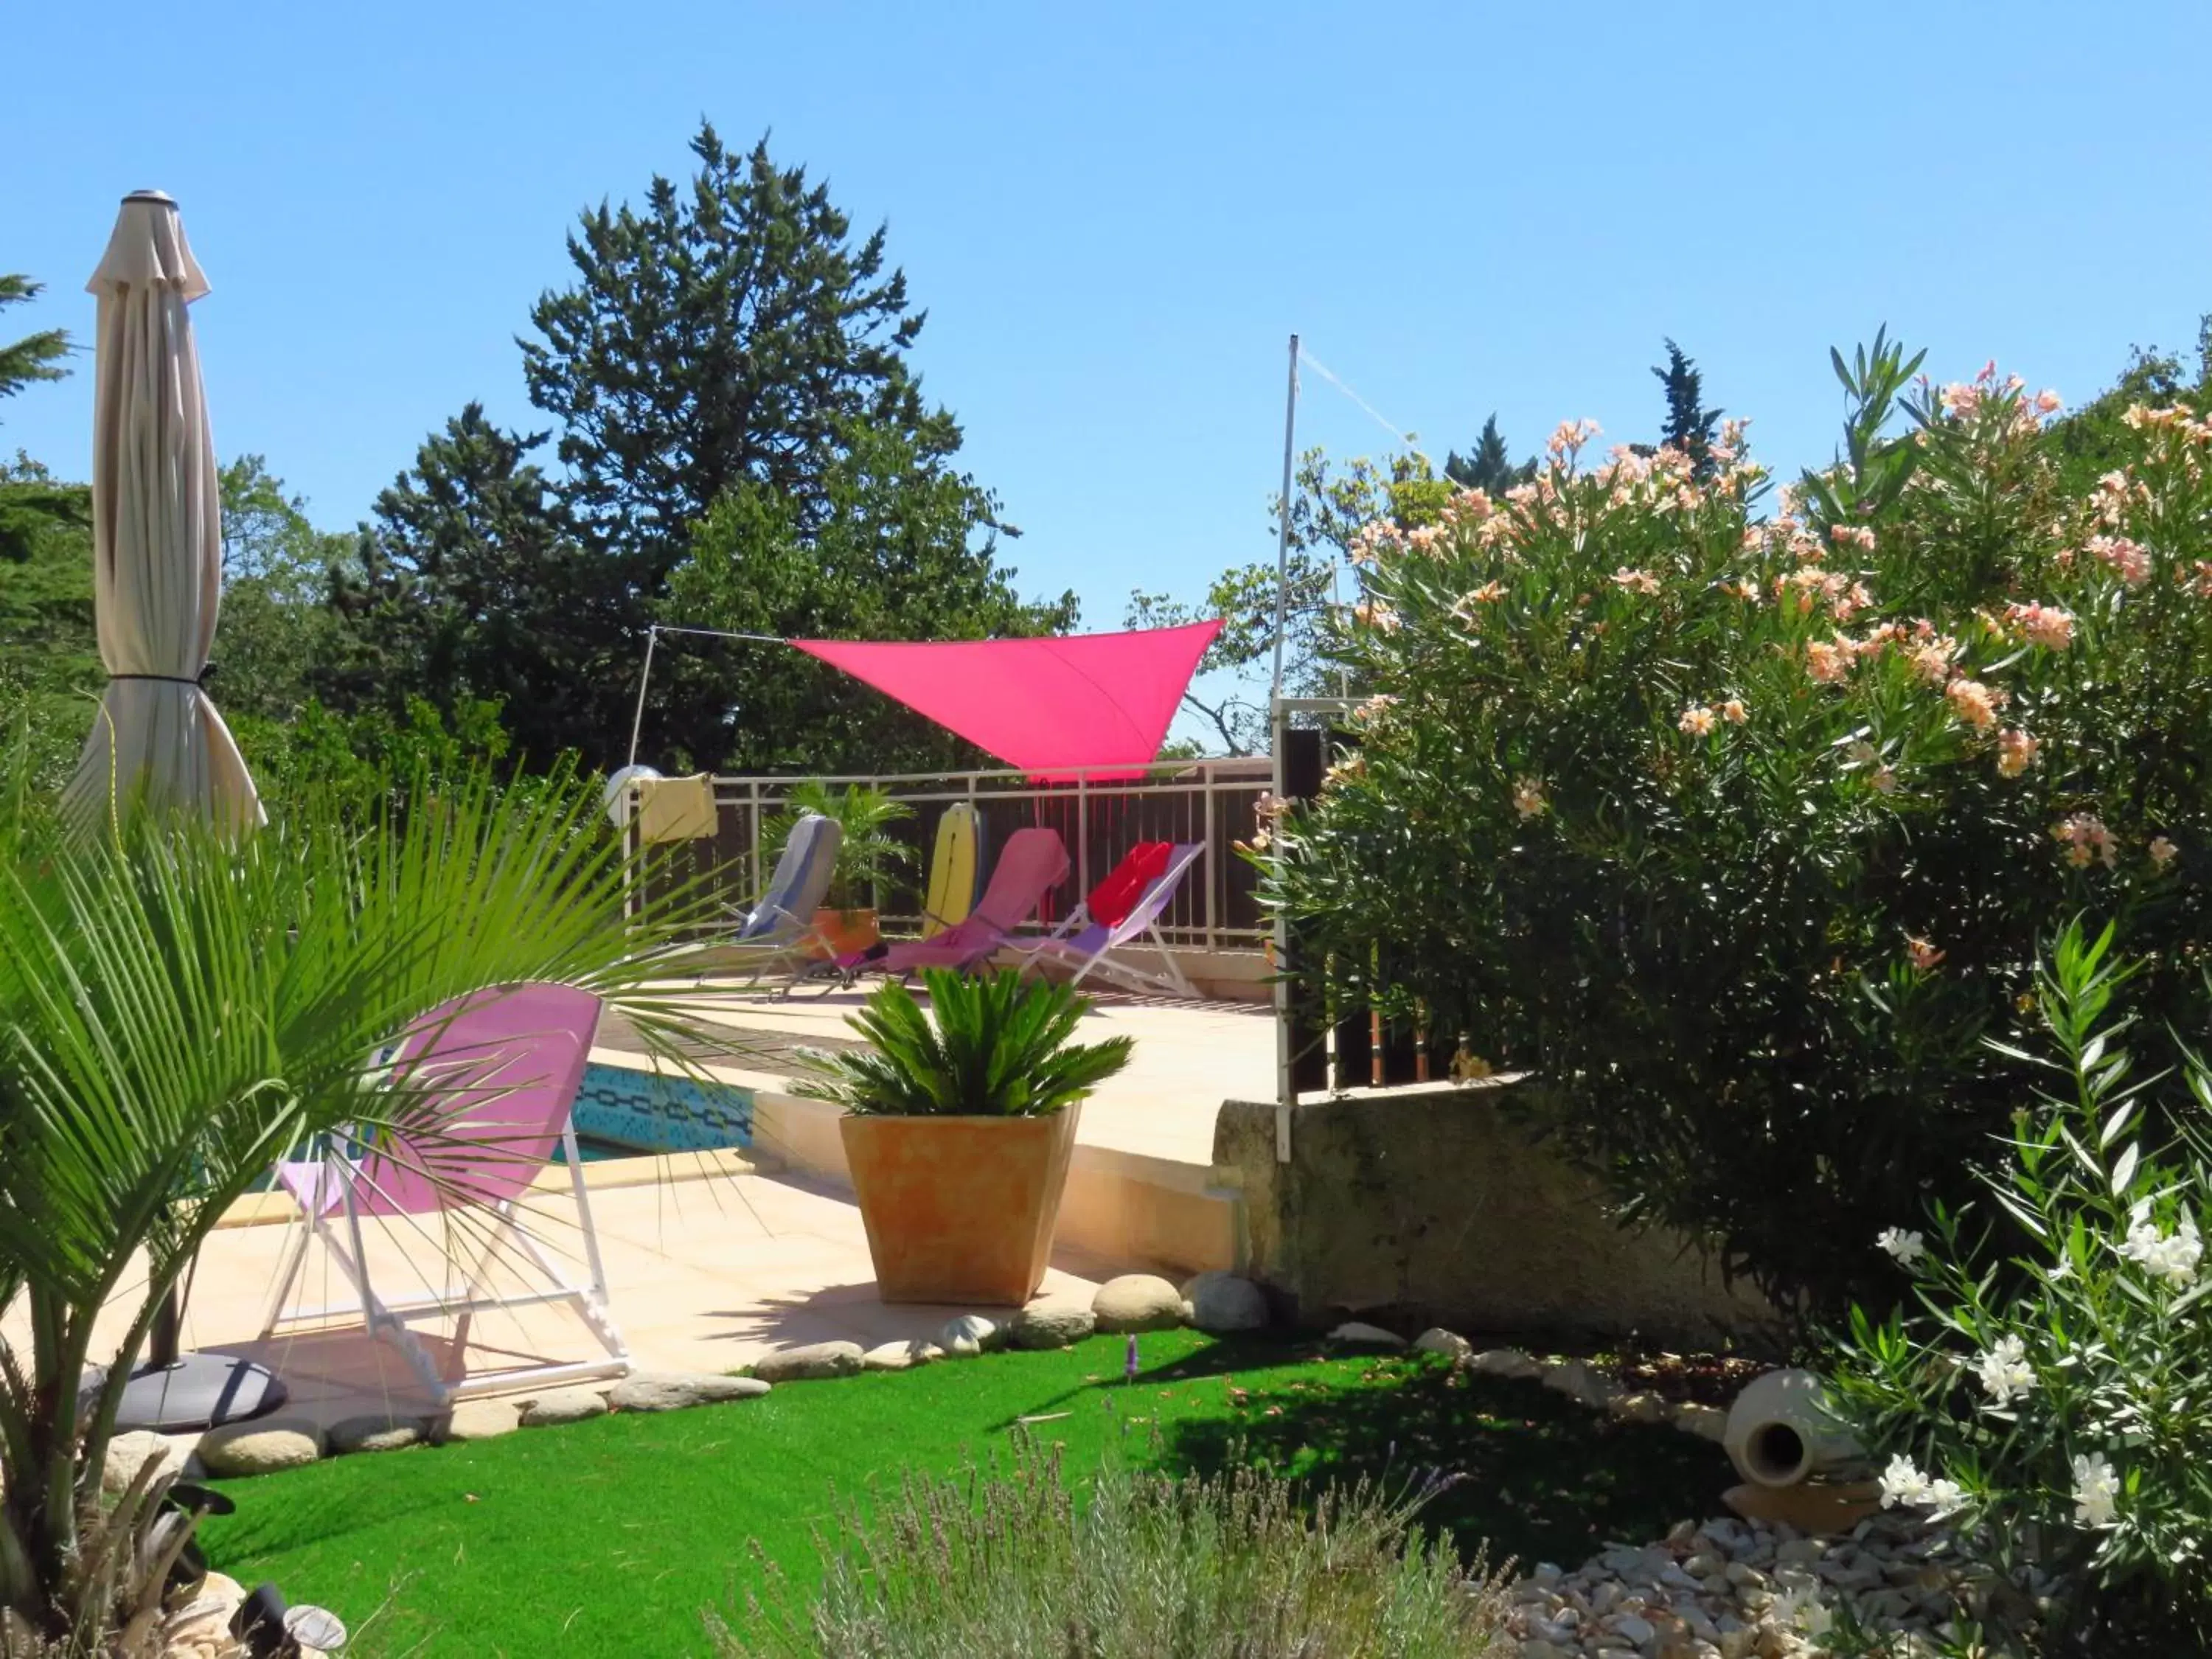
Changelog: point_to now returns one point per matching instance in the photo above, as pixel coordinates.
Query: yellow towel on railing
(676, 809)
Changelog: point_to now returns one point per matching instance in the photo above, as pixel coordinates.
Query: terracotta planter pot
(847, 930)
(960, 1209)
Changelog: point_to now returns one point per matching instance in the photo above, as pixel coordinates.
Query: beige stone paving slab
(699, 1280)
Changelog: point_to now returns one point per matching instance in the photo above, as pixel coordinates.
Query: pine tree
(1690, 424)
(1487, 467)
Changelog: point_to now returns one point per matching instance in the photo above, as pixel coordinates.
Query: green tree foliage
(899, 547)
(731, 333)
(742, 445)
(276, 629)
(469, 586)
(29, 500)
(1690, 425)
(1745, 833)
(1488, 466)
(2093, 440)
(50, 670)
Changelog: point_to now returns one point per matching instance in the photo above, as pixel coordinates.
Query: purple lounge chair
(501, 1069)
(1092, 950)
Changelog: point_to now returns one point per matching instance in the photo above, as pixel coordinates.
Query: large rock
(1221, 1303)
(1706, 1422)
(261, 1446)
(1357, 1334)
(1138, 1302)
(1509, 1363)
(900, 1356)
(1053, 1325)
(1578, 1381)
(128, 1453)
(375, 1433)
(675, 1391)
(1450, 1343)
(481, 1419)
(564, 1406)
(814, 1360)
(970, 1334)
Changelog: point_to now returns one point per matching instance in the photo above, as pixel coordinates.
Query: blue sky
(1116, 214)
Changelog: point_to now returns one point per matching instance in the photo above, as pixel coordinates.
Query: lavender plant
(1012, 1563)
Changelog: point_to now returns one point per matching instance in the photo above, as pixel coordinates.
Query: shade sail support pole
(1282, 522)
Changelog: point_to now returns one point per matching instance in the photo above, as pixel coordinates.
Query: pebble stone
(1736, 1590)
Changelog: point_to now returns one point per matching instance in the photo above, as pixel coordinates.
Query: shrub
(2053, 1395)
(1742, 832)
(1001, 1046)
(1012, 1565)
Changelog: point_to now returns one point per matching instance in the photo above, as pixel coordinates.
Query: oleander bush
(1741, 827)
(2048, 1391)
(1013, 1563)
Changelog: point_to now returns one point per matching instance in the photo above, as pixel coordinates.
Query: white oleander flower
(2096, 1490)
(2004, 1370)
(1902, 1483)
(1907, 1247)
(2172, 1257)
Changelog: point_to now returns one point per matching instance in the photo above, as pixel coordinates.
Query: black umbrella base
(198, 1391)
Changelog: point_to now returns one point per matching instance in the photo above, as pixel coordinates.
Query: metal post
(1285, 1096)
(1282, 528)
(1082, 836)
(637, 720)
(1217, 871)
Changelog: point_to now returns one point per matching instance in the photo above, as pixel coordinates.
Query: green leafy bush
(1013, 1565)
(1002, 1046)
(1743, 832)
(2051, 1389)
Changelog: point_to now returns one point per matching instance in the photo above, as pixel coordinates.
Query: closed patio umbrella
(158, 744)
(156, 538)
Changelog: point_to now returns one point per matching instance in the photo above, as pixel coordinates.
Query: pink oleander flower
(2127, 558)
(1529, 798)
(2046, 625)
(1472, 600)
(1370, 613)
(2048, 402)
(1850, 535)
(1824, 662)
(2162, 852)
(1883, 780)
(1697, 721)
(1961, 401)
(1734, 712)
(1424, 537)
(1375, 708)
(1974, 703)
(1931, 657)
(1922, 954)
(1567, 441)
(2016, 752)
(2087, 841)
(1636, 581)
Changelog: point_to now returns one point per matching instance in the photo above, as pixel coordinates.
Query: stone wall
(1425, 1206)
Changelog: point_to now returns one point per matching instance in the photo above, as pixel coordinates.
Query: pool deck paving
(709, 1265)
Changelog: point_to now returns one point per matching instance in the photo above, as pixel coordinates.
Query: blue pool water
(621, 1112)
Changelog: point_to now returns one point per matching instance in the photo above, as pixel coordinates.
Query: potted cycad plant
(867, 858)
(959, 1129)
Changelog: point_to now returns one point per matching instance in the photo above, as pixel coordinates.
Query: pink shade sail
(1093, 705)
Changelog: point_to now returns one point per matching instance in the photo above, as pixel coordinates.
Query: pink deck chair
(1092, 950)
(503, 1068)
(1033, 863)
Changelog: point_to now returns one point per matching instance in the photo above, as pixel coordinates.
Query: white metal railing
(1100, 818)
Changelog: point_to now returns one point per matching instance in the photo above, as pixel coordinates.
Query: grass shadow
(1535, 1476)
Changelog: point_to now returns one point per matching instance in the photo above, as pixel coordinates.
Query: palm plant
(866, 856)
(1002, 1046)
(178, 1010)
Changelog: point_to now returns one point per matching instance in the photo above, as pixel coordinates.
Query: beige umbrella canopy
(157, 538)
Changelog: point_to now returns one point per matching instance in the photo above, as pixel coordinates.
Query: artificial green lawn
(612, 1537)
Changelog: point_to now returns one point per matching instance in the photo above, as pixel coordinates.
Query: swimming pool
(623, 1112)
